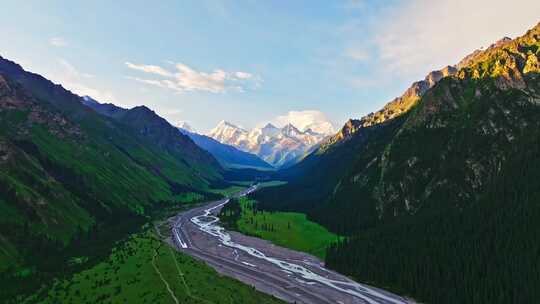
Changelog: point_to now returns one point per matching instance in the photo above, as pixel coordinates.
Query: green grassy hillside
(69, 177)
(143, 269)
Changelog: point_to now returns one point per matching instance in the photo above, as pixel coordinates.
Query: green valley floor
(288, 229)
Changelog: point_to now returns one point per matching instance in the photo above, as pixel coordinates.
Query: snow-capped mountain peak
(310, 132)
(227, 133)
(269, 126)
(269, 130)
(290, 130)
(226, 124)
(278, 146)
(317, 121)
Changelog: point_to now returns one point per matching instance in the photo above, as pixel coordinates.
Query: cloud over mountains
(308, 119)
(185, 78)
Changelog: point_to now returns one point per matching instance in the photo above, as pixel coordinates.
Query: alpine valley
(78, 188)
(432, 198)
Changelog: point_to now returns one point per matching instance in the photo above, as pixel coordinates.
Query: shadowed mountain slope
(441, 202)
(67, 170)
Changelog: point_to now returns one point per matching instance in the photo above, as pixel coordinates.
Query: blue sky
(250, 61)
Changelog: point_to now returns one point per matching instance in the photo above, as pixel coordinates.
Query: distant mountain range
(229, 156)
(280, 147)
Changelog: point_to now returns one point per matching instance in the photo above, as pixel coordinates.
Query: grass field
(143, 269)
(238, 186)
(235, 166)
(287, 229)
(271, 184)
(231, 189)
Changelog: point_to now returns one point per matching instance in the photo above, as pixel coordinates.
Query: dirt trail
(171, 292)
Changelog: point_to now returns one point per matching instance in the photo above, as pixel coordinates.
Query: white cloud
(185, 78)
(157, 83)
(422, 35)
(58, 42)
(243, 75)
(153, 69)
(316, 120)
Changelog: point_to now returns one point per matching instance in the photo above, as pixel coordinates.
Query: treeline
(230, 214)
(42, 257)
(233, 211)
(488, 252)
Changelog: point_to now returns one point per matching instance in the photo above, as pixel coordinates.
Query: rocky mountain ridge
(394, 108)
(493, 95)
(410, 97)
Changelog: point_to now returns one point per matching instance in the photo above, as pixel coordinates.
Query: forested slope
(69, 175)
(487, 252)
(443, 208)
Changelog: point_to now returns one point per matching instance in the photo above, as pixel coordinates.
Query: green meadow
(144, 269)
(287, 229)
